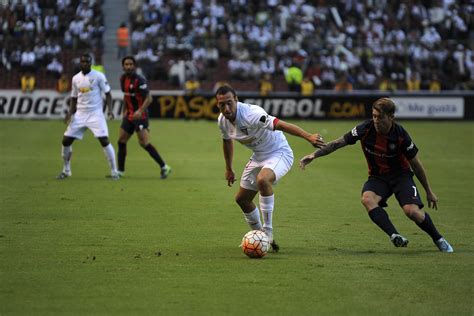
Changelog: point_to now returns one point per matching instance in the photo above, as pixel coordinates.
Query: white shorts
(280, 163)
(93, 120)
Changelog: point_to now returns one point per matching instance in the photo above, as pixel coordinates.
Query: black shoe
(63, 175)
(398, 240)
(275, 246)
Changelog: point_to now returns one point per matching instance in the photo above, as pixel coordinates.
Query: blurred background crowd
(266, 45)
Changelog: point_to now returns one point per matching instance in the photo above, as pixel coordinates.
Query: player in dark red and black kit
(135, 116)
(392, 159)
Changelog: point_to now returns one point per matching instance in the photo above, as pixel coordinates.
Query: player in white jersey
(86, 112)
(272, 156)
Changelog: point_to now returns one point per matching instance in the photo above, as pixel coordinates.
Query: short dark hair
(87, 56)
(385, 105)
(129, 57)
(224, 89)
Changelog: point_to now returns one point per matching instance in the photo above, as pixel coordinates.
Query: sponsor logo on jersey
(378, 154)
(85, 89)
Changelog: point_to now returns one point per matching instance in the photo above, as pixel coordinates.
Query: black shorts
(402, 186)
(135, 125)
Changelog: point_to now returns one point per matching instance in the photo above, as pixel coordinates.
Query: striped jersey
(385, 154)
(135, 90)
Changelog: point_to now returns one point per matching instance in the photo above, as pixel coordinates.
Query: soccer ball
(255, 244)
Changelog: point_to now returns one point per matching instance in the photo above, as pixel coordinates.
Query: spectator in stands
(343, 85)
(122, 41)
(28, 82)
(55, 68)
(176, 72)
(413, 82)
(51, 24)
(265, 86)
(192, 85)
(28, 60)
(388, 83)
(53, 49)
(63, 85)
(294, 77)
(96, 30)
(211, 56)
(76, 28)
(146, 59)
(307, 86)
(328, 77)
(434, 84)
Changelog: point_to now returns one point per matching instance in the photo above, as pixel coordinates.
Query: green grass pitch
(141, 245)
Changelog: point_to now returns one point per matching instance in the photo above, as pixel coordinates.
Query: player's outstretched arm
(315, 139)
(326, 150)
(420, 173)
(228, 147)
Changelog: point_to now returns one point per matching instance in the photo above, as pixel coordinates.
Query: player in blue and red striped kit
(392, 160)
(135, 116)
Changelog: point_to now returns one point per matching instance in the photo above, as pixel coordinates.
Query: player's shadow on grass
(394, 251)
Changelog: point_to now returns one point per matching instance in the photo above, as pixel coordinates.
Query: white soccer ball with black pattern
(255, 244)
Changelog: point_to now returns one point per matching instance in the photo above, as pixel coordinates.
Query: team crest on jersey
(131, 86)
(91, 81)
(244, 130)
(392, 146)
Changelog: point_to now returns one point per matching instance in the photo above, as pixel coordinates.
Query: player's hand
(110, 115)
(230, 177)
(137, 115)
(432, 200)
(317, 140)
(306, 160)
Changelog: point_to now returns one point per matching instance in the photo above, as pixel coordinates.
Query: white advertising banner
(43, 104)
(429, 107)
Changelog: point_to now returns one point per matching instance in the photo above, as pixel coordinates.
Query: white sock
(66, 153)
(253, 219)
(266, 205)
(110, 155)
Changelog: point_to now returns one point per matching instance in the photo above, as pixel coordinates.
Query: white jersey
(255, 129)
(88, 90)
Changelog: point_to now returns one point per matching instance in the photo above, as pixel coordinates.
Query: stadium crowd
(388, 45)
(340, 45)
(36, 35)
